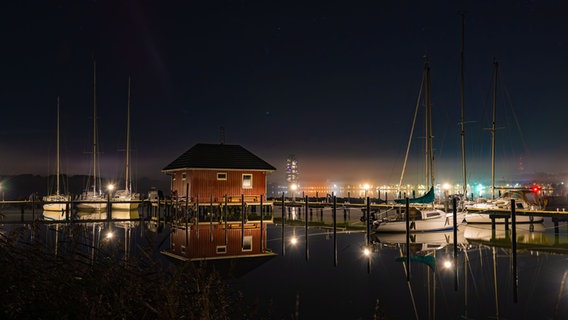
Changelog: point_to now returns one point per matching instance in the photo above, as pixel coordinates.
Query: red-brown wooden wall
(204, 184)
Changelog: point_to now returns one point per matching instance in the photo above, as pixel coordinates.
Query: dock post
(186, 215)
(368, 221)
(283, 222)
(455, 210)
(159, 208)
(226, 211)
(368, 234)
(514, 245)
(243, 220)
(109, 208)
(197, 216)
(211, 218)
(334, 231)
(307, 245)
(407, 216)
(261, 229)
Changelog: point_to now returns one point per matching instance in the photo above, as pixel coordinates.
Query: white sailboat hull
(54, 207)
(91, 206)
(483, 218)
(56, 202)
(125, 206)
(124, 200)
(54, 215)
(444, 222)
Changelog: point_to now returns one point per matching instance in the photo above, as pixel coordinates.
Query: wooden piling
(186, 215)
(307, 245)
(283, 222)
(455, 211)
(211, 218)
(514, 249)
(368, 228)
(243, 220)
(226, 211)
(407, 218)
(261, 229)
(334, 231)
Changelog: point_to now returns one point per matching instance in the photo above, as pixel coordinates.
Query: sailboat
(124, 199)
(422, 214)
(479, 211)
(93, 199)
(57, 201)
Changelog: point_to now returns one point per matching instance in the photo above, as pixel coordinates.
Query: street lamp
(110, 188)
(293, 187)
(366, 187)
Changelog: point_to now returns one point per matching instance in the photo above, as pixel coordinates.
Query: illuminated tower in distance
(292, 175)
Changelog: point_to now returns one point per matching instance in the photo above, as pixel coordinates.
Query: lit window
(221, 176)
(247, 181)
(247, 243)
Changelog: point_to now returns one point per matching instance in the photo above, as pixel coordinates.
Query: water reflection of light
(293, 241)
(366, 251)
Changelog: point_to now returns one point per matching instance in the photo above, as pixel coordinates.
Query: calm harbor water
(346, 284)
(355, 290)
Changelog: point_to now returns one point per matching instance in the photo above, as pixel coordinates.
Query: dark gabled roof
(218, 156)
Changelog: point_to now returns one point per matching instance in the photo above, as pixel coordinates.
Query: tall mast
(495, 72)
(462, 91)
(429, 149)
(127, 186)
(57, 157)
(94, 127)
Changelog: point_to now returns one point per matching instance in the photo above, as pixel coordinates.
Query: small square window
(183, 176)
(247, 243)
(247, 181)
(221, 249)
(221, 176)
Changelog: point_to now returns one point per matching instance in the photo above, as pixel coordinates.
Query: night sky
(334, 83)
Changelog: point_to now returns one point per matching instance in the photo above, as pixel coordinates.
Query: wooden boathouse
(222, 189)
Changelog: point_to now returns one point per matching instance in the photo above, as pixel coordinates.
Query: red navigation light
(535, 188)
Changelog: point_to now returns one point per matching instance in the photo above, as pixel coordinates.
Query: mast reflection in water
(293, 284)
